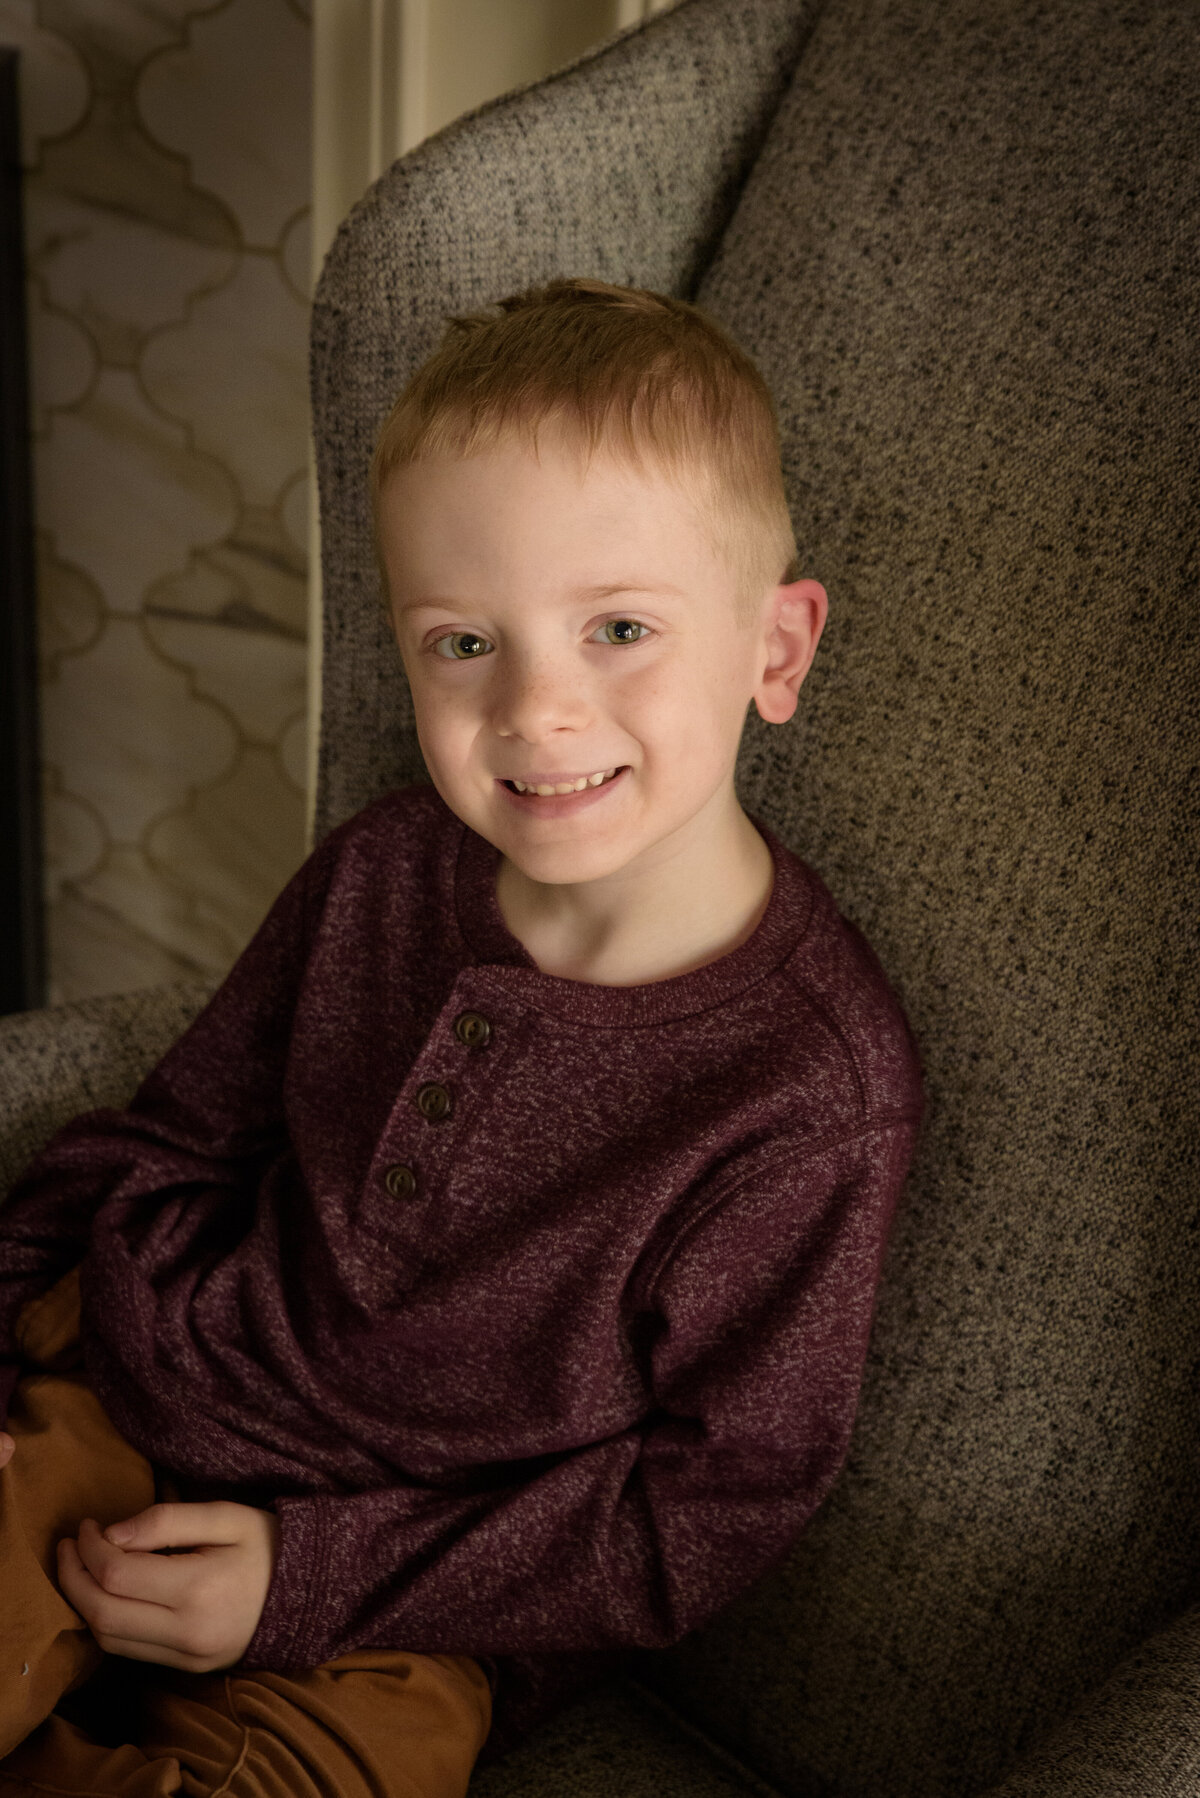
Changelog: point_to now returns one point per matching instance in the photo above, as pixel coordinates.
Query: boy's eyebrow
(601, 590)
(608, 589)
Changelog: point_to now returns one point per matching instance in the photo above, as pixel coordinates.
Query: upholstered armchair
(958, 236)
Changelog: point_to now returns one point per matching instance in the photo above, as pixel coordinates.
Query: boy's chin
(558, 864)
(562, 863)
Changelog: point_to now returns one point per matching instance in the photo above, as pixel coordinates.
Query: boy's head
(587, 556)
(649, 380)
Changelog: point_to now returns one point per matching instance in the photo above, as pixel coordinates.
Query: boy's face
(557, 623)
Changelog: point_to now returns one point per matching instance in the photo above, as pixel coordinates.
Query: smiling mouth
(562, 790)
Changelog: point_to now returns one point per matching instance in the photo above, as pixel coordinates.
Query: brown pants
(380, 1723)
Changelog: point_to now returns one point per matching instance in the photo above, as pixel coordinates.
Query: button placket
(434, 1099)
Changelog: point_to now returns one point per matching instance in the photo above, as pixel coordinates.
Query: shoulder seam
(868, 1127)
(839, 1036)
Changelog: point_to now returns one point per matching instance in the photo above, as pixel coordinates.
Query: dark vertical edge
(22, 926)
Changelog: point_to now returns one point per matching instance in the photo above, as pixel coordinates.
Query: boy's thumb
(7, 1448)
(120, 1532)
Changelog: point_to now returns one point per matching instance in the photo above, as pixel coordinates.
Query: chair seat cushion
(617, 1739)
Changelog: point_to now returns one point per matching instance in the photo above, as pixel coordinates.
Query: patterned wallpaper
(166, 146)
(167, 195)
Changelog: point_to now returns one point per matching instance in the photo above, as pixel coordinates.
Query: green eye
(473, 646)
(624, 625)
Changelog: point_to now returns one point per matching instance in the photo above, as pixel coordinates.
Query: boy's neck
(697, 906)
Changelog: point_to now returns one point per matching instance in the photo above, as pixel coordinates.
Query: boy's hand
(7, 1446)
(197, 1611)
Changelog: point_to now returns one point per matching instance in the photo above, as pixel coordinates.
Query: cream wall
(177, 153)
(477, 49)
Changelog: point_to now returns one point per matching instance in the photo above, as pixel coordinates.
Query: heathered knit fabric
(594, 1373)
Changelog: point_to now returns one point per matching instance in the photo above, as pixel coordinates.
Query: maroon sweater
(536, 1310)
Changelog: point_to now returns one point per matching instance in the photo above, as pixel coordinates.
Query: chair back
(965, 261)
(959, 241)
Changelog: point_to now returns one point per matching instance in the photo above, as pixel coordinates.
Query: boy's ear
(794, 624)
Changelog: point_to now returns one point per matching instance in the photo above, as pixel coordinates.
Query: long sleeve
(753, 1338)
(202, 1119)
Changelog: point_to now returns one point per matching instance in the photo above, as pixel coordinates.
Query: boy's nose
(531, 705)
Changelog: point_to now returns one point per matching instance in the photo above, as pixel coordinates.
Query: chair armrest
(66, 1059)
(625, 165)
(1138, 1733)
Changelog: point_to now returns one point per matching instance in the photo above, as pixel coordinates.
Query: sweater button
(472, 1028)
(433, 1100)
(400, 1181)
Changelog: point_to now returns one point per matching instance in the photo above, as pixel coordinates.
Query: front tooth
(571, 786)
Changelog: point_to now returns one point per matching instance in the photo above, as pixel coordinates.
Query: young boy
(485, 1277)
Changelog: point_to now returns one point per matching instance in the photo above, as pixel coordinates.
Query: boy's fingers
(7, 1445)
(142, 1632)
(130, 1576)
(180, 1526)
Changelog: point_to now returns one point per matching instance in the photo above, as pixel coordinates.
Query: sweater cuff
(284, 1641)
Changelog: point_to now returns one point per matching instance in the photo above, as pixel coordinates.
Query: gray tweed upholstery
(959, 239)
(72, 1058)
(962, 260)
(619, 1742)
(1138, 1735)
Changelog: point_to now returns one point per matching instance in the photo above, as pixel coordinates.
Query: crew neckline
(488, 939)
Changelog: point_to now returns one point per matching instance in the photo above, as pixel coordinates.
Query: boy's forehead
(559, 513)
(630, 497)
(555, 449)
(506, 476)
